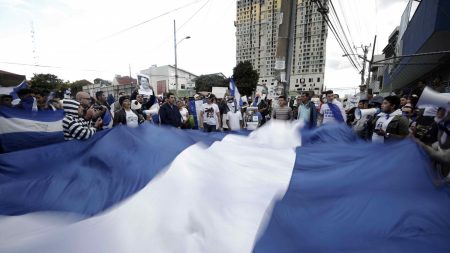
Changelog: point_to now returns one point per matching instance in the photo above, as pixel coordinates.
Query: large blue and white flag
(279, 189)
(22, 129)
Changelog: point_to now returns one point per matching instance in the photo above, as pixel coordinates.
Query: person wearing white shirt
(234, 118)
(184, 114)
(332, 111)
(210, 115)
(127, 116)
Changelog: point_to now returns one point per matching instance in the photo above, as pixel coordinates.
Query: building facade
(257, 34)
(418, 55)
(162, 79)
(119, 84)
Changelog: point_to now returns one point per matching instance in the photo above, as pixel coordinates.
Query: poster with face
(144, 85)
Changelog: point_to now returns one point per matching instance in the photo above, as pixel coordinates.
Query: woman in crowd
(184, 114)
(127, 116)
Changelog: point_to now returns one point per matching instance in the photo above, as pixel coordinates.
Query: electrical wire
(338, 21)
(335, 33)
(189, 19)
(149, 20)
(49, 66)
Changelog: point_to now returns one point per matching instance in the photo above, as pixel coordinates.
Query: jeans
(209, 128)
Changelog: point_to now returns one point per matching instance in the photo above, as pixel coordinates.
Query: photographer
(104, 109)
(79, 117)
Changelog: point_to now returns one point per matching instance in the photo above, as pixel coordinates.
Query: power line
(324, 11)
(163, 42)
(49, 66)
(345, 21)
(146, 21)
(189, 19)
(343, 33)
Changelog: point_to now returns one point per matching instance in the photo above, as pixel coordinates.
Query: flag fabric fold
(277, 189)
(22, 129)
(234, 92)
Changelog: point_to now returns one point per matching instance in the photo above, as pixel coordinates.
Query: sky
(87, 39)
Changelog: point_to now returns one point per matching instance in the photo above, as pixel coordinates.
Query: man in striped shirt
(77, 122)
(282, 112)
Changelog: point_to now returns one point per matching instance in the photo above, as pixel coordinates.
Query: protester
(390, 125)
(77, 123)
(440, 150)
(234, 117)
(263, 109)
(6, 100)
(56, 102)
(282, 112)
(127, 116)
(427, 128)
(41, 101)
(116, 106)
(403, 101)
(332, 111)
(169, 112)
(184, 114)
(409, 113)
(101, 103)
(306, 111)
(360, 126)
(223, 109)
(27, 100)
(210, 115)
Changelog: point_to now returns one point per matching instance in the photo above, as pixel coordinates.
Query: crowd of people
(376, 119)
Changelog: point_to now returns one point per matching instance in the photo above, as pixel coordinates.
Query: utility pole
(176, 63)
(129, 69)
(363, 71)
(282, 50)
(371, 60)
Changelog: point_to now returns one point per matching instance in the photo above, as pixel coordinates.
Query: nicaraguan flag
(22, 85)
(234, 92)
(279, 189)
(22, 129)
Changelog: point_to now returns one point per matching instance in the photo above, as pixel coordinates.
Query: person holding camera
(126, 115)
(105, 110)
(81, 121)
(390, 124)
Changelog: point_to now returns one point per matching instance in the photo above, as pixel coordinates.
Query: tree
(206, 82)
(78, 85)
(47, 82)
(246, 78)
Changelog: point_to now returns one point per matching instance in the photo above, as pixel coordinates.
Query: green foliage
(50, 82)
(246, 78)
(78, 86)
(47, 82)
(206, 82)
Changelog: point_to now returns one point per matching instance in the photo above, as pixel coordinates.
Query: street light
(175, 43)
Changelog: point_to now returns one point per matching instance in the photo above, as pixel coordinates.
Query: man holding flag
(332, 111)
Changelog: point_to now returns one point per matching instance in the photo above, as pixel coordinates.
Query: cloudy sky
(86, 39)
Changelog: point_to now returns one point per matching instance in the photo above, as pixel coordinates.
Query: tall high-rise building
(258, 24)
